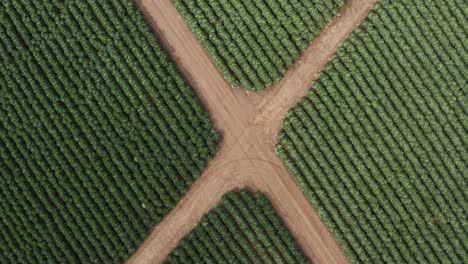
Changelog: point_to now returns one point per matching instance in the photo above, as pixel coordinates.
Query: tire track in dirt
(249, 123)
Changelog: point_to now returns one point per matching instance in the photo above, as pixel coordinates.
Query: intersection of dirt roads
(249, 123)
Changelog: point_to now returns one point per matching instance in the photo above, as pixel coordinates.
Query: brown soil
(249, 123)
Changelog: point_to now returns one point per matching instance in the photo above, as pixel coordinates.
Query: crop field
(100, 136)
(254, 42)
(112, 115)
(243, 229)
(379, 146)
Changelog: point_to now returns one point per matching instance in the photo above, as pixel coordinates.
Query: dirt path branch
(276, 101)
(249, 123)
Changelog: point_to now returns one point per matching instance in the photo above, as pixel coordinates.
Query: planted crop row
(380, 145)
(99, 134)
(243, 229)
(254, 42)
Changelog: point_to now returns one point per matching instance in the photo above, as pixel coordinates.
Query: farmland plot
(99, 134)
(243, 229)
(380, 144)
(254, 42)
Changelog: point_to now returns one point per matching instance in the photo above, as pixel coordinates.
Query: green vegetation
(254, 42)
(380, 145)
(99, 134)
(243, 229)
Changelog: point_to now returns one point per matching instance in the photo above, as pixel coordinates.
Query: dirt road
(249, 123)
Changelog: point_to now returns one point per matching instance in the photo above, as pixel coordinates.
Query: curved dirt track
(249, 123)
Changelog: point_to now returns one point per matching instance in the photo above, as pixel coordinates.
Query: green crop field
(254, 42)
(99, 134)
(380, 144)
(243, 229)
